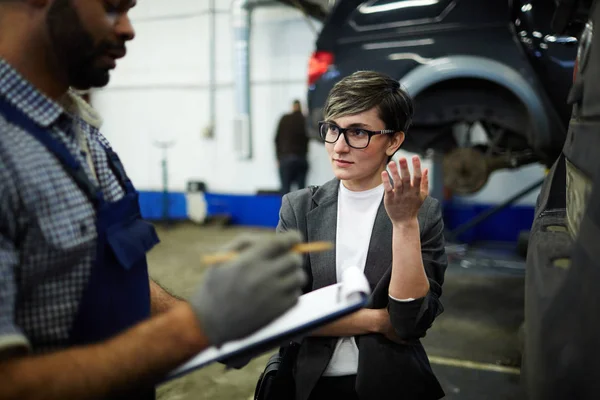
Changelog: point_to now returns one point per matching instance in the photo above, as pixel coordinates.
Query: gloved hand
(239, 297)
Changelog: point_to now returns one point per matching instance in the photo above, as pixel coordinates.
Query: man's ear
(395, 143)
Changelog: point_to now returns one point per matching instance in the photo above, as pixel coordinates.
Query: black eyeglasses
(356, 138)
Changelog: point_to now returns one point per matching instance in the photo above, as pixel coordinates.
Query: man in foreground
(79, 316)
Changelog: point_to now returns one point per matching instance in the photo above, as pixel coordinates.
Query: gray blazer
(386, 370)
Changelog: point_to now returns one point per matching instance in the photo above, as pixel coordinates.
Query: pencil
(301, 248)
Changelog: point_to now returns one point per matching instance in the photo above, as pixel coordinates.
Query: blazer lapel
(379, 257)
(322, 226)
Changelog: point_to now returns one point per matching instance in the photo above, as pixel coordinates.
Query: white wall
(160, 92)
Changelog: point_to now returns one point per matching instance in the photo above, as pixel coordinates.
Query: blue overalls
(118, 293)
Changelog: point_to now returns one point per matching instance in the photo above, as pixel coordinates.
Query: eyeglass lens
(355, 137)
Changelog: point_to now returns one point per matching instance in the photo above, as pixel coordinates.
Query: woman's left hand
(403, 201)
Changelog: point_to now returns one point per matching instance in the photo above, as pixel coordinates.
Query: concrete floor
(473, 345)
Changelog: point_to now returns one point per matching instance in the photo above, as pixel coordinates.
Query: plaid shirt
(47, 224)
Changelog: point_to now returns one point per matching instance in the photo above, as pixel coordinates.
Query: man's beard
(74, 47)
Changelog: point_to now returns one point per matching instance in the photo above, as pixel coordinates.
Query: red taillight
(318, 65)
(575, 69)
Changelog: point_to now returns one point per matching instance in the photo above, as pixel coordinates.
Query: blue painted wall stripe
(263, 211)
(152, 205)
(503, 226)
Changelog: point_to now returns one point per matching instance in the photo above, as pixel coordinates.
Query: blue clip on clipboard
(314, 309)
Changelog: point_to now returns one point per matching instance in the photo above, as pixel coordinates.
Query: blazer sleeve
(287, 218)
(292, 216)
(411, 320)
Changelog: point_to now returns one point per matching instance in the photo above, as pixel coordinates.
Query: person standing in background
(291, 145)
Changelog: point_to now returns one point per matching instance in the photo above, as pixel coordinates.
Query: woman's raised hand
(403, 200)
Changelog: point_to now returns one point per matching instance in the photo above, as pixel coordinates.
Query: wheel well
(443, 104)
(469, 83)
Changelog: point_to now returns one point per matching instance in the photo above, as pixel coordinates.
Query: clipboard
(313, 309)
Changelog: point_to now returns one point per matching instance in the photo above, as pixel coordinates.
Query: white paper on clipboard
(313, 309)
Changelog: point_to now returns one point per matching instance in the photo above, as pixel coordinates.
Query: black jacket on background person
(291, 136)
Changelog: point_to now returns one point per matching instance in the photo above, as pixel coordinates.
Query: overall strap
(116, 166)
(43, 135)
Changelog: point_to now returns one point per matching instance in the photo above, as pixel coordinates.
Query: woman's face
(360, 169)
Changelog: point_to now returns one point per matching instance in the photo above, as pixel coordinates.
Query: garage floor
(473, 346)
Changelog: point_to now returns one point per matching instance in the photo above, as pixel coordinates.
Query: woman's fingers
(404, 172)
(393, 167)
(385, 178)
(417, 176)
(425, 183)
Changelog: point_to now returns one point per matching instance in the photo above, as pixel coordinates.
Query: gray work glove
(241, 296)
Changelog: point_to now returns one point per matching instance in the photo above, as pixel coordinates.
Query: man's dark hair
(364, 90)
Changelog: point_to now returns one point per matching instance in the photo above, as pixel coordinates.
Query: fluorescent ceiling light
(396, 5)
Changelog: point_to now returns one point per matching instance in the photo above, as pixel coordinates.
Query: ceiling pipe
(241, 12)
(241, 18)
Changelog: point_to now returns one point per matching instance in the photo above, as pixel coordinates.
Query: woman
(391, 230)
